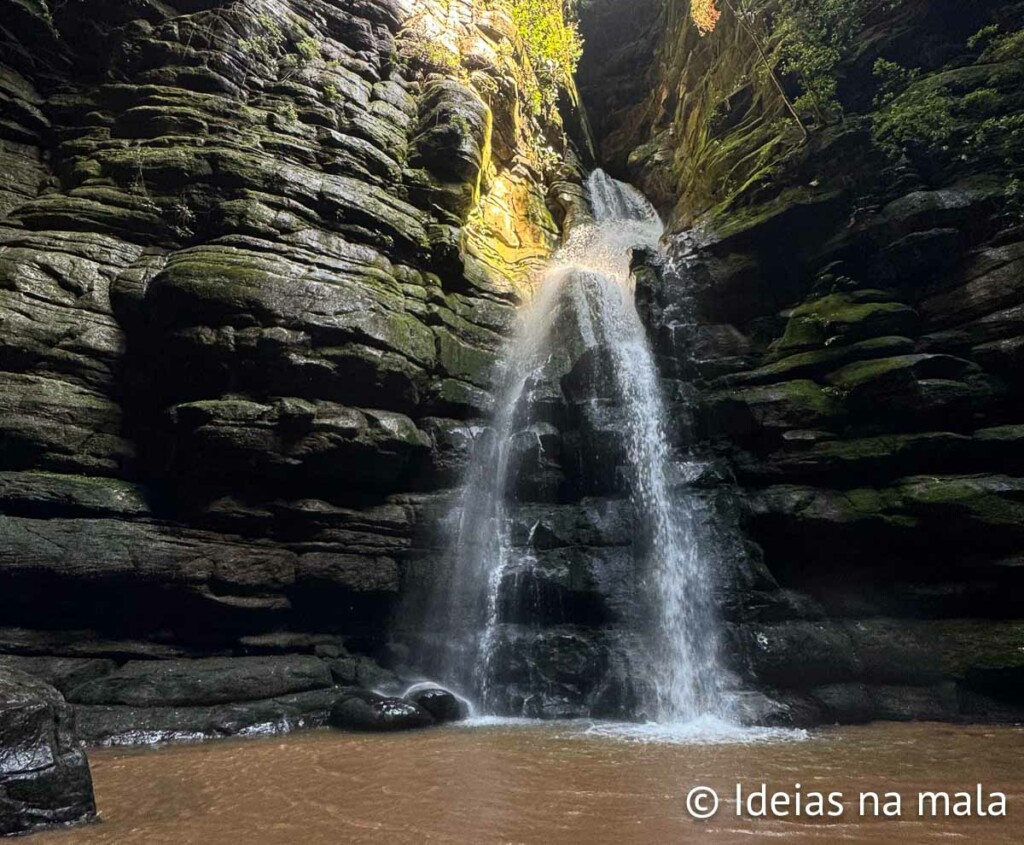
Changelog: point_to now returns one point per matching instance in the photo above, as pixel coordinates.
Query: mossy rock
(982, 512)
(899, 371)
(870, 459)
(797, 209)
(816, 363)
(753, 411)
(991, 500)
(980, 644)
(844, 318)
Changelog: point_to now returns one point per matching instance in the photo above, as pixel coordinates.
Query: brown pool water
(541, 784)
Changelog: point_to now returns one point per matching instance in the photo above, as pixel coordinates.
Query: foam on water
(706, 730)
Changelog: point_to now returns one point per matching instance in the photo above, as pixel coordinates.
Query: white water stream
(591, 275)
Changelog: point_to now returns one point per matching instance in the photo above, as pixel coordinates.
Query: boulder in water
(439, 703)
(44, 774)
(360, 710)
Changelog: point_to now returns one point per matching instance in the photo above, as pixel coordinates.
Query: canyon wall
(848, 300)
(257, 259)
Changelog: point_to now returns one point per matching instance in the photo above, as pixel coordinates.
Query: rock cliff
(256, 260)
(847, 295)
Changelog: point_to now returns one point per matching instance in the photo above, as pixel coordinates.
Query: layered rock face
(853, 322)
(257, 260)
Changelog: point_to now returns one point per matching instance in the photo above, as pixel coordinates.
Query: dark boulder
(439, 703)
(44, 774)
(367, 711)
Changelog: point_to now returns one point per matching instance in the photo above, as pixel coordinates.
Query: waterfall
(672, 659)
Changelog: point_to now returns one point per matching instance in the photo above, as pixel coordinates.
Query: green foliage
(983, 37)
(997, 46)
(981, 102)
(1001, 137)
(431, 55)
(266, 42)
(814, 39)
(183, 218)
(309, 48)
(552, 44)
(893, 80)
(965, 116)
(921, 116)
(1014, 196)
(972, 106)
(270, 43)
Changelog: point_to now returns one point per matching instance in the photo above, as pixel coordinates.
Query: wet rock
(846, 704)
(103, 724)
(938, 703)
(535, 458)
(454, 129)
(869, 460)
(567, 671)
(291, 438)
(47, 494)
(440, 704)
(757, 708)
(799, 654)
(954, 207)
(988, 283)
(367, 711)
(204, 682)
(914, 259)
(44, 774)
(62, 673)
(817, 363)
(357, 670)
(976, 501)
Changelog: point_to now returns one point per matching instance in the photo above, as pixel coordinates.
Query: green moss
(817, 362)
(980, 644)
(844, 318)
(861, 372)
(870, 448)
(309, 48)
(964, 497)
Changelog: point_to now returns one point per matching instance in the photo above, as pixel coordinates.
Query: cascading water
(673, 657)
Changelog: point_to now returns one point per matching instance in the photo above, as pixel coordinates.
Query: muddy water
(540, 784)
